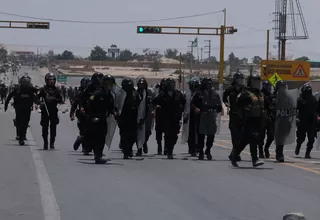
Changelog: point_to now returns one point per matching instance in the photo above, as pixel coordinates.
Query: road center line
(49, 204)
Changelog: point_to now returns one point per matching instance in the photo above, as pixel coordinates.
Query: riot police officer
(159, 123)
(171, 102)
(207, 104)
(127, 120)
(251, 104)
(49, 97)
(24, 97)
(75, 110)
(146, 96)
(269, 128)
(99, 106)
(306, 119)
(229, 99)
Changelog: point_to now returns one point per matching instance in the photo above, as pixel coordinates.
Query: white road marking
(49, 203)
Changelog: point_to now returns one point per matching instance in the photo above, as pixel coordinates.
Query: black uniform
(99, 106)
(49, 96)
(208, 103)
(171, 102)
(251, 103)
(127, 120)
(194, 86)
(24, 97)
(307, 107)
(83, 100)
(81, 117)
(148, 117)
(3, 92)
(229, 99)
(159, 123)
(269, 100)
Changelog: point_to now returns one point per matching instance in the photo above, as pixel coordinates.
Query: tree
(125, 55)
(156, 61)
(171, 53)
(98, 54)
(256, 60)
(234, 62)
(66, 55)
(303, 58)
(3, 53)
(186, 58)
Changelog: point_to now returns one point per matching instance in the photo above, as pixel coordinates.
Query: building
(113, 51)
(22, 53)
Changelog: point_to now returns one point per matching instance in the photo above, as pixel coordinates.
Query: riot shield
(119, 96)
(141, 134)
(209, 118)
(285, 117)
(186, 118)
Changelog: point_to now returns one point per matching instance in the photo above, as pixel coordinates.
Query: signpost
(274, 79)
(287, 70)
(62, 78)
(24, 24)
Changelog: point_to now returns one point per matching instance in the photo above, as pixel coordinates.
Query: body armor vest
(256, 108)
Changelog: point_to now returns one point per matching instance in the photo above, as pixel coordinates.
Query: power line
(112, 22)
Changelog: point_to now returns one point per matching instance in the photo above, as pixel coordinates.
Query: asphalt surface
(63, 184)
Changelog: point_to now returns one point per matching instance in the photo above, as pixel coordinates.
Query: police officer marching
(252, 106)
(49, 97)
(24, 96)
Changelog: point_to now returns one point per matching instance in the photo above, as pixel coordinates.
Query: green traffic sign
(62, 78)
(148, 30)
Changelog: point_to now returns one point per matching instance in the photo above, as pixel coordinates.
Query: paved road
(64, 184)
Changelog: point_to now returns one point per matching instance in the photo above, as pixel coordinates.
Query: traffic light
(38, 25)
(148, 30)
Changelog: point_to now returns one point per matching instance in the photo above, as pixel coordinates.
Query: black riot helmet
(142, 83)
(162, 84)
(25, 81)
(83, 82)
(194, 83)
(238, 79)
(127, 84)
(96, 78)
(206, 83)
(254, 81)
(170, 84)
(266, 87)
(306, 90)
(108, 82)
(281, 85)
(50, 79)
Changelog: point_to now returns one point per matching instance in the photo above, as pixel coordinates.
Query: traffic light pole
(212, 31)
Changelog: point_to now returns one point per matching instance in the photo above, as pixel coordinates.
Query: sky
(251, 17)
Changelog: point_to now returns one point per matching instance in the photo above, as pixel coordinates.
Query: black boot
(169, 152)
(139, 153)
(257, 163)
(297, 151)
(261, 155)
(99, 160)
(308, 151)
(145, 148)
(52, 143)
(266, 152)
(201, 155)
(45, 143)
(21, 142)
(279, 154)
(233, 158)
(77, 143)
(159, 148)
(208, 153)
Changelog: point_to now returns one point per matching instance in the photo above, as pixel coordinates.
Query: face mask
(256, 84)
(240, 82)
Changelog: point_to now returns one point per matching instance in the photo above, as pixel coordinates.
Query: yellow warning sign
(274, 79)
(288, 70)
(300, 72)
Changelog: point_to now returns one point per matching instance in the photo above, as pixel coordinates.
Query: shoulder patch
(91, 97)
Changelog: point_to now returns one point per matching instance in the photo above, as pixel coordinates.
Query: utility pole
(191, 57)
(209, 54)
